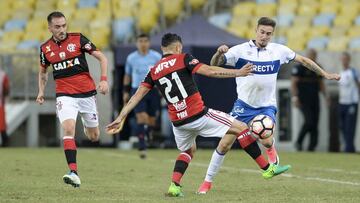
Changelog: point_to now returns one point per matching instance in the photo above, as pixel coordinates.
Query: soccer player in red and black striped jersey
(75, 88)
(173, 76)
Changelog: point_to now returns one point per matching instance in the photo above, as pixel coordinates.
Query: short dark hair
(267, 21)
(55, 14)
(170, 38)
(143, 35)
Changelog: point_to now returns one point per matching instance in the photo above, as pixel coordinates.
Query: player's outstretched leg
(181, 164)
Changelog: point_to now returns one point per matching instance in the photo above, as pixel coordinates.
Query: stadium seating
(119, 20)
(123, 29)
(318, 43)
(172, 9)
(220, 20)
(321, 24)
(354, 44)
(338, 43)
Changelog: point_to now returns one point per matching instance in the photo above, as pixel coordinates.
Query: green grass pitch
(111, 175)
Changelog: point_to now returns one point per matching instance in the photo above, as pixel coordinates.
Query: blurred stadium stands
(331, 25)
(23, 22)
(319, 24)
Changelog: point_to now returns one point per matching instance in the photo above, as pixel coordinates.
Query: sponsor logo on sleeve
(88, 46)
(194, 62)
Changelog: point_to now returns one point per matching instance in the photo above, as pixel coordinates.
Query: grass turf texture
(110, 175)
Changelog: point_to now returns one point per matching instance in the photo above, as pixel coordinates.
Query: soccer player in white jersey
(256, 93)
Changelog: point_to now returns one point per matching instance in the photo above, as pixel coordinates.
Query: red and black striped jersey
(70, 68)
(172, 75)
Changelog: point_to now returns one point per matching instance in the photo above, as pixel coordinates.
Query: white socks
(215, 163)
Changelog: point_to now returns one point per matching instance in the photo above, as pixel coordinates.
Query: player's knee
(191, 152)
(223, 147)
(69, 129)
(94, 138)
(268, 142)
(237, 127)
(93, 134)
(142, 118)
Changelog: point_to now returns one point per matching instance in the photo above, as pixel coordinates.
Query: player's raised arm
(311, 65)
(103, 86)
(218, 72)
(218, 58)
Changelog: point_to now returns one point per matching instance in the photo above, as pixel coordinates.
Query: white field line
(287, 175)
(335, 170)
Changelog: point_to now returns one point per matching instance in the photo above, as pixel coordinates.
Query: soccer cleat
(175, 191)
(275, 170)
(72, 179)
(204, 188)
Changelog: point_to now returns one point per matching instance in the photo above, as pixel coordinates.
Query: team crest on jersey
(71, 47)
(194, 62)
(47, 48)
(62, 55)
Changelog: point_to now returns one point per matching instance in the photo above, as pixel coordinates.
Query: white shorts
(213, 124)
(68, 108)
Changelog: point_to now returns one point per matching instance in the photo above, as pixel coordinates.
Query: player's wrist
(103, 78)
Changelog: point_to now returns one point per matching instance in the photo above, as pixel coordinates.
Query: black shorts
(149, 104)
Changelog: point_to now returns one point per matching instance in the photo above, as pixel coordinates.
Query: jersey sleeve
(87, 45)
(148, 81)
(43, 60)
(191, 63)
(286, 54)
(230, 57)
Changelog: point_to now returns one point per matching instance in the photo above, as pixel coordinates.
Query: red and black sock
(180, 167)
(70, 152)
(249, 144)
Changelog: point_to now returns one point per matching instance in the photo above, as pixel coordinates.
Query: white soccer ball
(262, 126)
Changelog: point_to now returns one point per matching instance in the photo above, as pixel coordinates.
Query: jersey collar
(166, 55)
(59, 42)
(252, 44)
